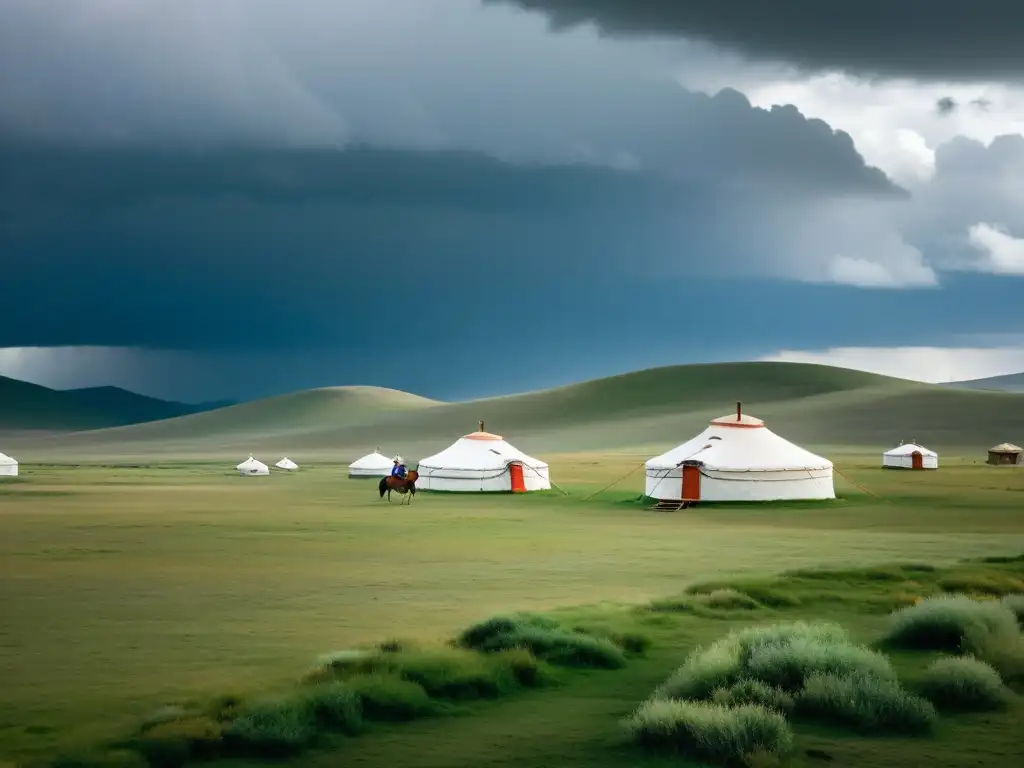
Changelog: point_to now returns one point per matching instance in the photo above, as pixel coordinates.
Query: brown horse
(399, 485)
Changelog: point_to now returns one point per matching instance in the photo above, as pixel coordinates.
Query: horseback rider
(398, 470)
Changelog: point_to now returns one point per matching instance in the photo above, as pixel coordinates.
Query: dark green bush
(387, 697)
(943, 622)
(709, 732)
(551, 644)
(865, 703)
(962, 683)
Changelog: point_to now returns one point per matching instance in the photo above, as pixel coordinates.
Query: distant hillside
(818, 406)
(812, 404)
(1012, 382)
(130, 407)
(25, 406)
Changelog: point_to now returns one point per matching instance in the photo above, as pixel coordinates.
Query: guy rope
(634, 469)
(858, 485)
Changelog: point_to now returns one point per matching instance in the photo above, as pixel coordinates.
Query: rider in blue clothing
(399, 469)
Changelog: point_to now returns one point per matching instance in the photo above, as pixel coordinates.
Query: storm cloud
(225, 191)
(189, 249)
(941, 39)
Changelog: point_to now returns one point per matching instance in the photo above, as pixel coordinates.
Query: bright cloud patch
(1003, 253)
(895, 124)
(862, 273)
(930, 364)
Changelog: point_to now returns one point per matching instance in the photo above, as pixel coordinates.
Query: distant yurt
(252, 466)
(1005, 453)
(8, 466)
(286, 463)
(482, 462)
(910, 456)
(371, 465)
(737, 458)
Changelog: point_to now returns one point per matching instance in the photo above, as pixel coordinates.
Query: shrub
(527, 670)
(1003, 650)
(754, 692)
(333, 706)
(388, 697)
(996, 584)
(962, 683)
(631, 642)
(709, 732)
(451, 673)
(550, 643)
(765, 593)
(1015, 602)
(943, 622)
(728, 660)
(866, 703)
(272, 729)
(705, 670)
(787, 665)
(173, 743)
(477, 634)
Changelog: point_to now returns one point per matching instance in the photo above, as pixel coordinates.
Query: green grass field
(128, 588)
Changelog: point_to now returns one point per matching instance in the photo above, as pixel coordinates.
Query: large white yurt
(910, 456)
(253, 466)
(373, 464)
(482, 462)
(8, 466)
(737, 458)
(286, 463)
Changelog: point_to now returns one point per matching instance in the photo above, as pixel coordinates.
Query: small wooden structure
(1004, 454)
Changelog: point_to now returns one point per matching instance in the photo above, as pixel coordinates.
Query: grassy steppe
(126, 588)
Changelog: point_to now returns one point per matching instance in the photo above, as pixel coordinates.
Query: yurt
(252, 466)
(371, 465)
(482, 462)
(8, 466)
(737, 458)
(286, 463)
(910, 456)
(1005, 453)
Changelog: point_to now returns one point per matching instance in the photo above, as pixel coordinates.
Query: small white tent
(8, 466)
(737, 458)
(910, 456)
(371, 465)
(286, 463)
(252, 466)
(482, 462)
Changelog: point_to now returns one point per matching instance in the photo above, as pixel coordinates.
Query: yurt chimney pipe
(481, 426)
(739, 411)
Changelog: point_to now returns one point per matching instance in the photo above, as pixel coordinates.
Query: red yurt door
(691, 483)
(917, 460)
(516, 472)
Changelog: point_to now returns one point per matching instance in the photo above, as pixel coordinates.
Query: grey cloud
(946, 106)
(948, 39)
(442, 75)
(186, 249)
(972, 183)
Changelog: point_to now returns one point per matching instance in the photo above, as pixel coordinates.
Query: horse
(399, 485)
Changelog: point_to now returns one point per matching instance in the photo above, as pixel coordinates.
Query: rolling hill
(1011, 382)
(25, 406)
(816, 405)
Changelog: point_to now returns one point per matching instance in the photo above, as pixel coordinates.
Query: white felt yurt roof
(740, 443)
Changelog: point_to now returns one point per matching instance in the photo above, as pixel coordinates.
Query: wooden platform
(672, 506)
